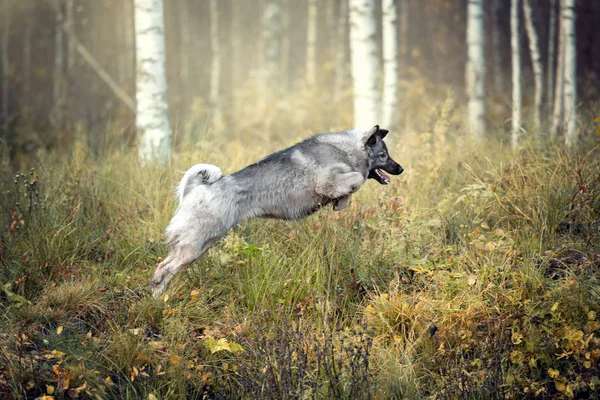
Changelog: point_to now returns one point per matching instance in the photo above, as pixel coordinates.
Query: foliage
(473, 275)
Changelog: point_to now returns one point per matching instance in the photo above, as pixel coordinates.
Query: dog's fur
(290, 184)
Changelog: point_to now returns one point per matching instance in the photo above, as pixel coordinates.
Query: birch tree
(536, 62)
(551, 61)
(570, 72)
(557, 112)
(271, 35)
(515, 47)
(311, 43)
(341, 51)
(403, 44)
(59, 61)
(366, 67)
(496, 49)
(390, 61)
(5, 60)
(475, 69)
(26, 58)
(152, 120)
(215, 72)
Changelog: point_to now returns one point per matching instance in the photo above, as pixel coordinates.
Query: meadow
(473, 275)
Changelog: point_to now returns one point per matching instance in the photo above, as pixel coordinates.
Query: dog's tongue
(383, 176)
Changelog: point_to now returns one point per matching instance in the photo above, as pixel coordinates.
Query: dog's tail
(199, 174)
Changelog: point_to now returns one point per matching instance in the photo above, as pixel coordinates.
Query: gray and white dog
(289, 184)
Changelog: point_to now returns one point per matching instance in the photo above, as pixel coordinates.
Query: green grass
(473, 275)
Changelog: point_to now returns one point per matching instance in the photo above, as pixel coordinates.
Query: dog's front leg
(336, 185)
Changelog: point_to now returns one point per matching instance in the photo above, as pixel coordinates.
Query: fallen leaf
(59, 330)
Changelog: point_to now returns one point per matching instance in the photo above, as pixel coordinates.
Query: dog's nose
(400, 170)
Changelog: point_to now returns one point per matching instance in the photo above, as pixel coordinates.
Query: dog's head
(378, 157)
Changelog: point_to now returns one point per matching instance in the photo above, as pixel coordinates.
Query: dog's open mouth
(379, 176)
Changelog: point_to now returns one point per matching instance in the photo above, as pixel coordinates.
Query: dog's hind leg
(179, 256)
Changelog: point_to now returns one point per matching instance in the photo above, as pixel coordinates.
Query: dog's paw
(341, 203)
(157, 288)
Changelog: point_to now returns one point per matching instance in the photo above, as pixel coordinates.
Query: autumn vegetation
(473, 275)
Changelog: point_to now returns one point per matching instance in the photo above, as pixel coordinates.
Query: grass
(473, 275)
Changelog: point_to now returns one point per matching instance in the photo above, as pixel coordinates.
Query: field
(473, 275)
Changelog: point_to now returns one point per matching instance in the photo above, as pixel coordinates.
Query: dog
(289, 184)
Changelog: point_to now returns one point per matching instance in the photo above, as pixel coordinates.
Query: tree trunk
(70, 22)
(341, 52)
(515, 47)
(390, 61)
(152, 120)
(570, 72)
(26, 60)
(311, 43)
(403, 44)
(551, 61)
(129, 39)
(366, 68)
(58, 78)
(496, 48)
(536, 62)
(5, 62)
(184, 42)
(271, 38)
(475, 71)
(285, 45)
(215, 72)
(557, 114)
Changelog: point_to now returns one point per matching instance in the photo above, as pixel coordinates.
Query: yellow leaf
(591, 315)
(553, 373)
(152, 397)
(194, 293)
(175, 360)
(45, 398)
(108, 380)
(517, 338)
(490, 246)
(559, 386)
(59, 330)
(49, 389)
(554, 307)
(587, 364)
(472, 280)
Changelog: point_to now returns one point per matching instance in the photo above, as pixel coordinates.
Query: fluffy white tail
(199, 174)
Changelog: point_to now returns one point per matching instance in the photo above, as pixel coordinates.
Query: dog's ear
(370, 137)
(382, 133)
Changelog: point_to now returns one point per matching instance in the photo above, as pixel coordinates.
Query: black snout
(393, 168)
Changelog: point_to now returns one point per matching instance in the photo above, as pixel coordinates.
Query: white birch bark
(390, 61)
(515, 47)
(311, 43)
(551, 54)
(570, 82)
(215, 72)
(341, 52)
(152, 120)
(536, 62)
(285, 44)
(5, 61)
(557, 113)
(475, 70)
(366, 67)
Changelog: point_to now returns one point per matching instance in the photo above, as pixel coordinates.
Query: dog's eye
(382, 156)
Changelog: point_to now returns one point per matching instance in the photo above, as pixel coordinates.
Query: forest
(475, 274)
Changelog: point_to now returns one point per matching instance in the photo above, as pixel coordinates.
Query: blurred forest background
(215, 52)
(473, 275)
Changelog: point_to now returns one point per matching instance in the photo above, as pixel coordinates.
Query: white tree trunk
(551, 54)
(536, 62)
(341, 56)
(184, 41)
(475, 71)
(390, 61)
(70, 22)
(366, 67)
(515, 47)
(570, 89)
(5, 61)
(557, 114)
(152, 120)
(311, 43)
